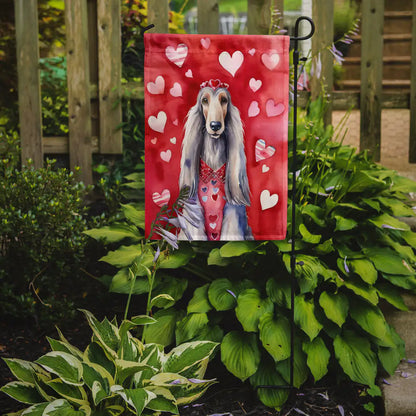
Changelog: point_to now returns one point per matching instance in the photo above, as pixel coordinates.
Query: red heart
(214, 197)
(212, 218)
(214, 236)
(214, 83)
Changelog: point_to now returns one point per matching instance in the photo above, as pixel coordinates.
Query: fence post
(372, 12)
(79, 106)
(109, 73)
(323, 16)
(412, 141)
(208, 16)
(259, 15)
(30, 107)
(158, 14)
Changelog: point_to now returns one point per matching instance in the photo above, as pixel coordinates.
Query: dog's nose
(215, 125)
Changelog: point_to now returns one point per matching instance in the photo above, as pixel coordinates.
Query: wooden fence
(94, 73)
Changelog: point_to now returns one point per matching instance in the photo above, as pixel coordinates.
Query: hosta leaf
(403, 184)
(24, 370)
(307, 236)
(23, 392)
(275, 336)
(73, 394)
(278, 290)
(212, 333)
(300, 369)
(64, 365)
(371, 319)
(389, 222)
(163, 331)
(98, 379)
(190, 326)
(363, 181)
(199, 302)
(57, 345)
(133, 214)
(318, 357)
(305, 316)
(126, 369)
(240, 354)
(398, 208)
(178, 258)
(114, 233)
(409, 237)
(61, 407)
(215, 259)
(237, 248)
(316, 213)
(365, 269)
(250, 307)
(363, 290)
(325, 248)
(335, 306)
(95, 354)
(356, 357)
(125, 255)
(137, 399)
(405, 282)
(266, 375)
(387, 261)
(35, 410)
(390, 357)
(122, 283)
(220, 294)
(164, 402)
(171, 286)
(344, 224)
(389, 293)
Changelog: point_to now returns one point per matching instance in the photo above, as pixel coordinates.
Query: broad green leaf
(98, 379)
(163, 331)
(164, 401)
(122, 283)
(356, 357)
(363, 181)
(23, 392)
(409, 237)
(135, 321)
(403, 184)
(305, 316)
(306, 271)
(64, 365)
(137, 399)
(133, 214)
(275, 336)
(57, 345)
(74, 394)
(365, 269)
(405, 282)
(61, 407)
(335, 306)
(387, 261)
(240, 354)
(114, 233)
(316, 213)
(325, 248)
(177, 258)
(389, 222)
(57, 4)
(35, 410)
(171, 286)
(126, 369)
(344, 224)
(162, 299)
(190, 326)
(363, 290)
(398, 208)
(212, 333)
(372, 203)
(199, 302)
(300, 368)
(250, 308)
(307, 236)
(391, 357)
(220, 294)
(318, 357)
(24, 370)
(125, 255)
(237, 248)
(95, 354)
(279, 291)
(391, 294)
(266, 375)
(215, 259)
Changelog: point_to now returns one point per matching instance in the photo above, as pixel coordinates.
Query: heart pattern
(273, 110)
(177, 55)
(231, 63)
(154, 140)
(176, 90)
(265, 169)
(268, 201)
(213, 225)
(173, 140)
(166, 156)
(175, 122)
(254, 109)
(161, 199)
(157, 87)
(270, 60)
(255, 84)
(206, 42)
(262, 152)
(189, 74)
(252, 51)
(212, 218)
(158, 123)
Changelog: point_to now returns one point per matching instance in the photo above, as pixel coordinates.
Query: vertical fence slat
(258, 16)
(158, 14)
(208, 16)
(371, 75)
(109, 72)
(79, 107)
(412, 142)
(323, 16)
(30, 108)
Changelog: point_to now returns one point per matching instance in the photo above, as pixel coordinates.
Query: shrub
(41, 243)
(115, 374)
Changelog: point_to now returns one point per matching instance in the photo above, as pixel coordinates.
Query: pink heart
(262, 152)
(165, 156)
(254, 109)
(231, 63)
(161, 199)
(252, 52)
(154, 141)
(158, 123)
(157, 87)
(175, 122)
(273, 109)
(177, 55)
(176, 90)
(189, 74)
(206, 42)
(270, 60)
(255, 84)
(173, 140)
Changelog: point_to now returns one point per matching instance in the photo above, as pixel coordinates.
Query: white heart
(231, 63)
(154, 141)
(158, 123)
(173, 140)
(270, 60)
(268, 201)
(254, 109)
(265, 168)
(206, 42)
(176, 90)
(255, 84)
(157, 87)
(252, 51)
(189, 74)
(178, 55)
(165, 156)
(213, 225)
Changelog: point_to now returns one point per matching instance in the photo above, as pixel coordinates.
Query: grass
(240, 6)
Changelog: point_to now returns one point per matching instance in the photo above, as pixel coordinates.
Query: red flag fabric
(216, 114)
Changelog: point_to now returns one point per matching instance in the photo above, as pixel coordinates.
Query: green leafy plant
(115, 375)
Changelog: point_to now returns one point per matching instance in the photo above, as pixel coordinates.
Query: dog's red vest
(211, 193)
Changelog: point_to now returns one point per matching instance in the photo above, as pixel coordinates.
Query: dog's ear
(191, 149)
(236, 183)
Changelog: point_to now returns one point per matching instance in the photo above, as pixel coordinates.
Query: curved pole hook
(309, 35)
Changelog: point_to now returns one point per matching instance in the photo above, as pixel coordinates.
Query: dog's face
(214, 105)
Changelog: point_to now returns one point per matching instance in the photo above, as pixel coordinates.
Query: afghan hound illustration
(213, 166)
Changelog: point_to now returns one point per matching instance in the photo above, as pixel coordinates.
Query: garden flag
(216, 114)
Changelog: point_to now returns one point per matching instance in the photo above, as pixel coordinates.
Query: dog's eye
(205, 100)
(224, 100)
